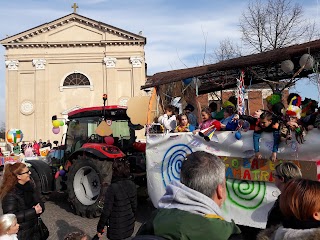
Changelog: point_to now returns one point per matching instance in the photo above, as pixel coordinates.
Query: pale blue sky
(173, 28)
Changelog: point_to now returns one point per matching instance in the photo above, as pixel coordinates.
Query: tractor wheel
(35, 181)
(88, 180)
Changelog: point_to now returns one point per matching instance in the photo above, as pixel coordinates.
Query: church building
(65, 65)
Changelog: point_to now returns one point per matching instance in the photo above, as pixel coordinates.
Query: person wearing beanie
(220, 115)
(272, 100)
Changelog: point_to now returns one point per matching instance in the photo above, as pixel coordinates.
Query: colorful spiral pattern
(172, 162)
(246, 194)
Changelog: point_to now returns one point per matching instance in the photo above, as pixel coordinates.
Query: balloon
(57, 174)
(14, 136)
(56, 123)
(187, 81)
(62, 172)
(109, 140)
(307, 61)
(55, 130)
(287, 66)
(238, 135)
(61, 123)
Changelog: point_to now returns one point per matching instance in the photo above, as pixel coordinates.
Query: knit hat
(274, 98)
(227, 104)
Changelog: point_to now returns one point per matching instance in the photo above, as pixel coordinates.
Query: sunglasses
(28, 172)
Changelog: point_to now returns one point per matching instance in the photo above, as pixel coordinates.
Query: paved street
(60, 219)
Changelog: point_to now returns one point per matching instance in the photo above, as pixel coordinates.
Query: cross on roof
(74, 6)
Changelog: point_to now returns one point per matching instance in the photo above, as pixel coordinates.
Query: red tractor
(84, 170)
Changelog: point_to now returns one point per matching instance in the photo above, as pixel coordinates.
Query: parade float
(251, 191)
(250, 182)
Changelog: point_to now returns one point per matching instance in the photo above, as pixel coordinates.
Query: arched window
(76, 79)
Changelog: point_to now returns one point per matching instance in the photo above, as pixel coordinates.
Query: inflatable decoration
(56, 123)
(55, 130)
(287, 66)
(306, 61)
(238, 135)
(14, 136)
(109, 140)
(61, 123)
(62, 172)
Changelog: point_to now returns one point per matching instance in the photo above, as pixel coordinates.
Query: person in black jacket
(120, 204)
(20, 198)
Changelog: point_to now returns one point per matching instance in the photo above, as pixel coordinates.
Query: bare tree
(274, 24)
(2, 130)
(227, 50)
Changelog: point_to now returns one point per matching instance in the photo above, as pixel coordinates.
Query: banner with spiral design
(246, 194)
(172, 161)
(249, 188)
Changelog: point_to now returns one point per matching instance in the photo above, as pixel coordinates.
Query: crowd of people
(22, 205)
(189, 209)
(285, 123)
(32, 149)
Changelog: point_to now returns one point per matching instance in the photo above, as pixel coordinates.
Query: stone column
(111, 81)
(40, 99)
(137, 72)
(12, 94)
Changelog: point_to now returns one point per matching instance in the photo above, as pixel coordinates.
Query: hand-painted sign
(249, 185)
(262, 170)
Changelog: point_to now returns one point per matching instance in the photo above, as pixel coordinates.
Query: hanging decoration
(306, 61)
(243, 125)
(196, 83)
(287, 66)
(175, 102)
(240, 94)
(57, 123)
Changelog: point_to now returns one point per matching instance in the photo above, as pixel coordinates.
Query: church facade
(65, 65)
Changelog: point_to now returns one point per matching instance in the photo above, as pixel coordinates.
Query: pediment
(73, 28)
(75, 32)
